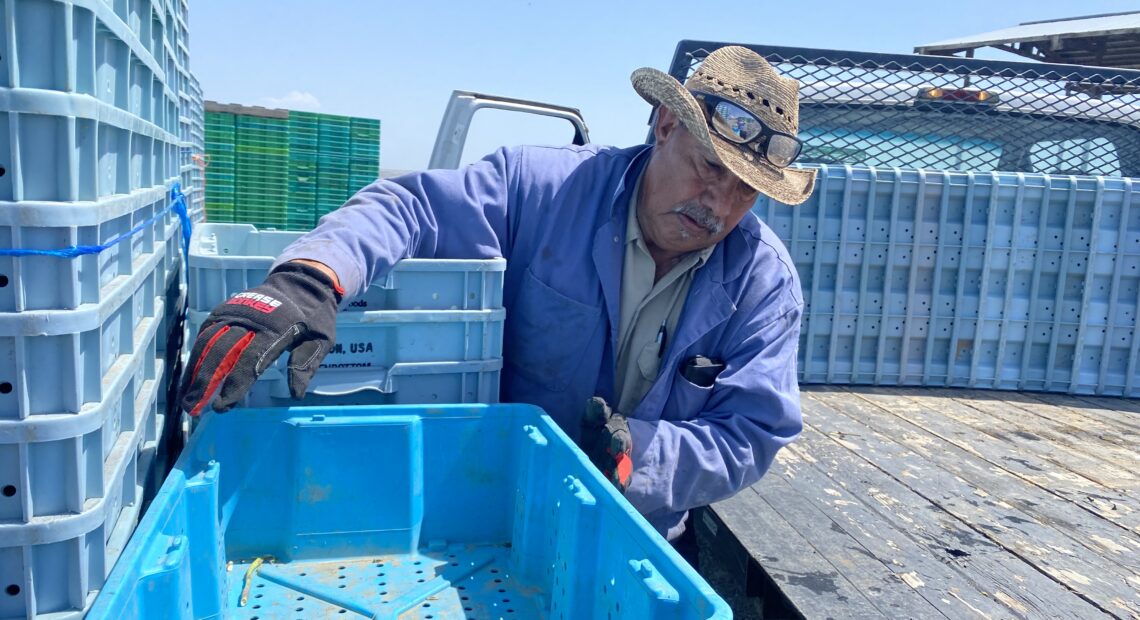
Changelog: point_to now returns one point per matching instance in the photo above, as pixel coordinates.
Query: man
(647, 312)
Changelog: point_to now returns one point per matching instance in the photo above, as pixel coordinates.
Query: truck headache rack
(948, 113)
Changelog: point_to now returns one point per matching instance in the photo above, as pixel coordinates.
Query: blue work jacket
(558, 216)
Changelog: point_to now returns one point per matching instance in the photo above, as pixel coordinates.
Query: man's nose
(719, 193)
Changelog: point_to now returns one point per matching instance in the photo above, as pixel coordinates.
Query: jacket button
(615, 239)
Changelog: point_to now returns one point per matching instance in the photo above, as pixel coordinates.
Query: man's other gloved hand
(606, 440)
(293, 310)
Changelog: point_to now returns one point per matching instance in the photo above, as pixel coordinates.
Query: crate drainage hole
(9, 490)
(12, 590)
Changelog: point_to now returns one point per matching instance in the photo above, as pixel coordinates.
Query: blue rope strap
(177, 204)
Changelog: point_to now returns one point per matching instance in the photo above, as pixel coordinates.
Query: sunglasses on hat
(739, 126)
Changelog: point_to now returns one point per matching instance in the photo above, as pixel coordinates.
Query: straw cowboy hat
(734, 87)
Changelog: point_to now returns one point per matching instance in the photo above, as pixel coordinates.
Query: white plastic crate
(52, 567)
(52, 464)
(57, 283)
(228, 258)
(57, 361)
(1005, 281)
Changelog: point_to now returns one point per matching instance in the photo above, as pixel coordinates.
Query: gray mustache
(701, 216)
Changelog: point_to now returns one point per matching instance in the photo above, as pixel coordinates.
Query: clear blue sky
(399, 61)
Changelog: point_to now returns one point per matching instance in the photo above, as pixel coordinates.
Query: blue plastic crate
(1003, 281)
(69, 147)
(53, 283)
(53, 463)
(449, 512)
(111, 53)
(228, 258)
(57, 361)
(51, 567)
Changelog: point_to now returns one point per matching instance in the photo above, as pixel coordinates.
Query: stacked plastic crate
(364, 151)
(89, 153)
(333, 162)
(262, 167)
(304, 128)
(220, 173)
(939, 278)
(431, 332)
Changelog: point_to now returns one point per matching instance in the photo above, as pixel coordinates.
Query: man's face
(689, 201)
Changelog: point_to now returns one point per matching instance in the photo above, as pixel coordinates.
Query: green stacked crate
(283, 169)
(332, 164)
(332, 183)
(364, 152)
(360, 175)
(262, 170)
(220, 142)
(301, 202)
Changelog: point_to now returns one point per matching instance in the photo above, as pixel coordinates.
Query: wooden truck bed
(932, 503)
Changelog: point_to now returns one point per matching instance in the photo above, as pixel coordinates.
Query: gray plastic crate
(57, 361)
(56, 564)
(996, 280)
(53, 464)
(228, 258)
(35, 283)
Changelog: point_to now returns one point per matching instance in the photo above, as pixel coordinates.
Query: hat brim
(788, 185)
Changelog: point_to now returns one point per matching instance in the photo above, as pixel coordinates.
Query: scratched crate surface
(462, 582)
(940, 503)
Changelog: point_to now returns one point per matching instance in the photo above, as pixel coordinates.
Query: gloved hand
(606, 440)
(293, 310)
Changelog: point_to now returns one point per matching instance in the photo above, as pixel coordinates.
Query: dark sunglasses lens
(734, 123)
(783, 150)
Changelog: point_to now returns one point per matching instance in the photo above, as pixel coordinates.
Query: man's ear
(666, 124)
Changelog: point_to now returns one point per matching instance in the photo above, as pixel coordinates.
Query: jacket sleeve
(752, 411)
(401, 218)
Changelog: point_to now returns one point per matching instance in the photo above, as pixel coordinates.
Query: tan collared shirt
(646, 306)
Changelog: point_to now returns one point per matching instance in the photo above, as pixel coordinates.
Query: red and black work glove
(606, 440)
(293, 310)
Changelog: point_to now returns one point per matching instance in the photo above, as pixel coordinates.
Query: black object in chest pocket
(701, 371)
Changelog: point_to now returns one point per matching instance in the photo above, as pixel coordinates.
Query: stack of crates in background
(364, 152)
(262, 168)
(284, 169)
(332, 164)
(304, 132)
(98, 117)
(220, 162)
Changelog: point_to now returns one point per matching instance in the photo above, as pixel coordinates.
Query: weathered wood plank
(850, 547)
(1121, 410)
(929, 466)
(921, 546)
(1046, 466)
(1109, 464)
(805, 576)
(1080, 420)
